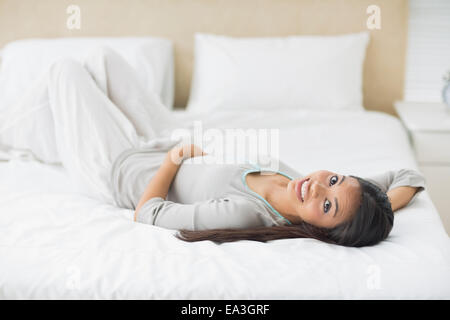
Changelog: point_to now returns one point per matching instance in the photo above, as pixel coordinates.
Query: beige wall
(179, 19)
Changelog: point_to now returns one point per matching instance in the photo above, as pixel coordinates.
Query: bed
(57, 244)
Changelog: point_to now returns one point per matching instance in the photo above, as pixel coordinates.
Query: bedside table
(428, 125)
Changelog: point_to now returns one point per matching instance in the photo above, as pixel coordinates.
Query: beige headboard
(179, 19)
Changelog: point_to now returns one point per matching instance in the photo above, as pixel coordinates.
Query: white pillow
(308, 72)
(24, 61)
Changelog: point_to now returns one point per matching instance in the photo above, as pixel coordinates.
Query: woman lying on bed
(243, 202)
(112, 138)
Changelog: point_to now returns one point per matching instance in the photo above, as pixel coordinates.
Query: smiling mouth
(301, 189)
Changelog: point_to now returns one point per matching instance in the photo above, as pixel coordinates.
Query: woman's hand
(179, 153)
(160, 183)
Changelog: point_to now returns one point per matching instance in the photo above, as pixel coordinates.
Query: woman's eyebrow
(335, 200)
(337, 207)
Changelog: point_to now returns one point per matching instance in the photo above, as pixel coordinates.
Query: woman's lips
(298, 189)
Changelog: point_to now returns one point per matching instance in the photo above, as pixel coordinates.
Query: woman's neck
(272, 188)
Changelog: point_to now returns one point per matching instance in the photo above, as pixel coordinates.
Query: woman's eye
(333, 180)
(326, 206)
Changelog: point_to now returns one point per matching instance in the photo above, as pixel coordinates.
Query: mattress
(57, 244)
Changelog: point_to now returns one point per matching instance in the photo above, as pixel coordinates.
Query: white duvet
(56, 244)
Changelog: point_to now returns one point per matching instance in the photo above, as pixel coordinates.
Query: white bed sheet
(56, 244)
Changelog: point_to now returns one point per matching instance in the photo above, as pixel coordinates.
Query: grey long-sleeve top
(209, 196)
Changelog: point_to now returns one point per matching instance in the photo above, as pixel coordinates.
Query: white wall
(428, 54)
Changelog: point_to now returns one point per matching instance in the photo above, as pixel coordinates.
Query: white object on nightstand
(429, 127)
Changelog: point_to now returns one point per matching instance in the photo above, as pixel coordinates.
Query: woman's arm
(401, 196)
(160, 183)
(401, 186)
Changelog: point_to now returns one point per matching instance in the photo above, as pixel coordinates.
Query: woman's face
(323, 198)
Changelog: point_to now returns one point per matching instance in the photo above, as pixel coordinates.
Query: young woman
(110, 134)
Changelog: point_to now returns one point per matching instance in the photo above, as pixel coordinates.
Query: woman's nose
(317, 189)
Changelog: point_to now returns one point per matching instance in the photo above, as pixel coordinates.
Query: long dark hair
(370, 224)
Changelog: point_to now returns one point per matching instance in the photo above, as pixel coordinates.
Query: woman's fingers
(191, 151)
(180, 153)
